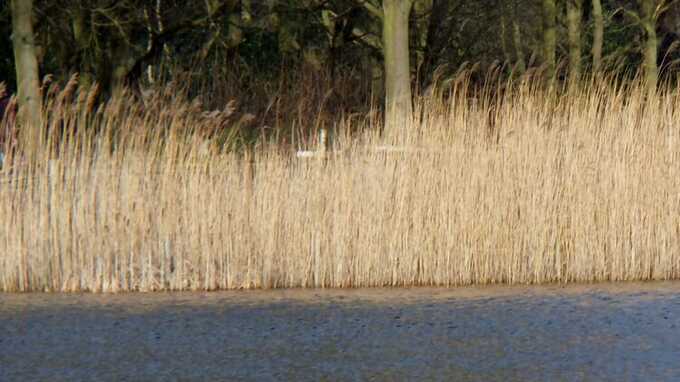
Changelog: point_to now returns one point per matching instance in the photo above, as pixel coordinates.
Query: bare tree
(598, 35)
(648, 16)
(397, 65)
(394, 15)
(26, 63)
(574, 12)
(549, 36)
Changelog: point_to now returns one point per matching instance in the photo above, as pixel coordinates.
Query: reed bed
(526, 185)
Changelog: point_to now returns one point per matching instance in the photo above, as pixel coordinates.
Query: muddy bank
(587, 332)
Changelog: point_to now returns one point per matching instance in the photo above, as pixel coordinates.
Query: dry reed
(522, 186)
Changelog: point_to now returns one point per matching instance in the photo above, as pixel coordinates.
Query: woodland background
(277, 59)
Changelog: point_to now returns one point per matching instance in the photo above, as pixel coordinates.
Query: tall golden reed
(525, 185)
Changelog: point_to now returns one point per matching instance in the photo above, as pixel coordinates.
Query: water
(617, 332)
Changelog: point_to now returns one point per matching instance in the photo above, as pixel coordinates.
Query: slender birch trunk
(549, 37)
(504, 42)
(574, 12)
(598, 36)
(650, 49)
(517, 41)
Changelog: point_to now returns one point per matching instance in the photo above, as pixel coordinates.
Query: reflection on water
(611, 332)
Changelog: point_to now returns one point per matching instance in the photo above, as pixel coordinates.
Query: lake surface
(616, 332)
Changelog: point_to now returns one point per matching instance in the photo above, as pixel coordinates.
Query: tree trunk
(150, 75)
(517, 42)
(549, 37)
(419, 30)
(598, 35)
(26, 63)
(438, 13)
(81, 35)
(648, 21)
(574, 12)
(504, 41)
(398, 106)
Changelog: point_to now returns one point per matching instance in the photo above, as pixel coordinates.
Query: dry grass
(526, 186)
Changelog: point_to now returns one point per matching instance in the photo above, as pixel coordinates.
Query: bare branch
(372, 8)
